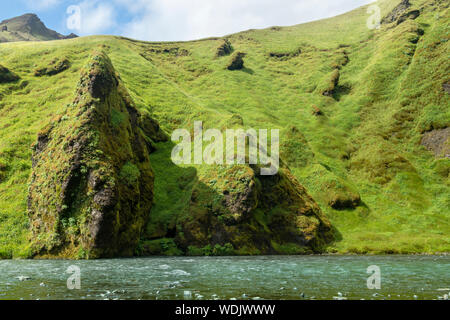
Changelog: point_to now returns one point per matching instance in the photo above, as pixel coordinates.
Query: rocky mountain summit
(28, 27)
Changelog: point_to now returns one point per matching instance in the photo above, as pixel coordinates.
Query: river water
(224, 278)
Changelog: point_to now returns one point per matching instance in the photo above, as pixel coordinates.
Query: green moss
(117, 118)
(130, 173)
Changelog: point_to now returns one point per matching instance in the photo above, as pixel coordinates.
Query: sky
(171, 20)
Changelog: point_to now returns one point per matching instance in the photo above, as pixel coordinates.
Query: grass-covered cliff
(363, 117)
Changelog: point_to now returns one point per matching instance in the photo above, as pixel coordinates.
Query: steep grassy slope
(352, 105)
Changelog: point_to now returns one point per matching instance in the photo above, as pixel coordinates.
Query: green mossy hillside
(372, 152)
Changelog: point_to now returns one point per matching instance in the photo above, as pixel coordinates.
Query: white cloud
(96, 17)
(193, 19)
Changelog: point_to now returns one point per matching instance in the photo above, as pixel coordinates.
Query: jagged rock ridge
(28, 27)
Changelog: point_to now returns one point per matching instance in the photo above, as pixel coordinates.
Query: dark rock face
(414, 14)
(401, 14)
(254, 215)
(438, 142)
(92, 184)
(237, 61)
(397, 12)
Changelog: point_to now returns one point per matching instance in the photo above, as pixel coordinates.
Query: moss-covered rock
(7, 76)
(237, 61)
(91, 188)
(438, 142)
(151, 128)
(335, 191)
(253, 214)
(224, 49)
(285, 55)
(397, 12)
(329, 83)
(54, 67)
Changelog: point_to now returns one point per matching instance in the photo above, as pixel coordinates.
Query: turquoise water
(287, 277)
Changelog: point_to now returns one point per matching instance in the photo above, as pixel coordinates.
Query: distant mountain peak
(28, 27)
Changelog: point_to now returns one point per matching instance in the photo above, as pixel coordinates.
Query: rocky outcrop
(401, 13)
(91, 187)
(413, 14)
(253, 214)
(438, 142)
(397, 12)
(446, 87)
